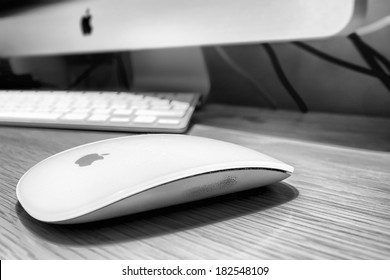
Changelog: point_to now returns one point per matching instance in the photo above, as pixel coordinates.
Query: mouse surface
(131, 174)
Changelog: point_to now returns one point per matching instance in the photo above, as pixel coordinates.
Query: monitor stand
(170, 70)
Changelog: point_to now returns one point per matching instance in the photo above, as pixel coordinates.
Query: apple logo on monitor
(89, 159)
(86, 26)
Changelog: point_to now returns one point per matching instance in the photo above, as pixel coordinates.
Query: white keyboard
(118, 111)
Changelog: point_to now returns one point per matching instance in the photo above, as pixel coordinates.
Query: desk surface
(335, 206)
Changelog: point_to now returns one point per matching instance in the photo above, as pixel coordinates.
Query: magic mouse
(126, 175)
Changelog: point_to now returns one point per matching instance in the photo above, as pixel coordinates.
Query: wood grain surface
(335, 206)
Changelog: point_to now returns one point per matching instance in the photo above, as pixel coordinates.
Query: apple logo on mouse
(86, 26)
(89, 159)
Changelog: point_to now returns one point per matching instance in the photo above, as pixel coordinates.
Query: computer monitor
(68, 27)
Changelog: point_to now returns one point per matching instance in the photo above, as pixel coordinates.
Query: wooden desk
(335, 206)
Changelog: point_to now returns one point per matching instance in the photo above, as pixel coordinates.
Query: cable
(380, 57)
(283, 78)
(238, 69)
(370, 58)
(335, 60)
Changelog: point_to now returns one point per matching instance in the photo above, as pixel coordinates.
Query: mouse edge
(85, 217)
(198, 187)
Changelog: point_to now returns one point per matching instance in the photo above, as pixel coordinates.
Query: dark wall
(323, 86)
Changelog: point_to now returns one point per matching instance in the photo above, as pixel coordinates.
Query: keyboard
(114, 111)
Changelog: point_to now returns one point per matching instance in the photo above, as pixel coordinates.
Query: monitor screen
(86, 26)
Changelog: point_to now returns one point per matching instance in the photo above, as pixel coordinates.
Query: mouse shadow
(161, 221)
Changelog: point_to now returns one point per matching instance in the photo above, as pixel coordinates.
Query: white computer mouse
(131, 174)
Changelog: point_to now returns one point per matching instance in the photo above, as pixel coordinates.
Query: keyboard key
(29, 116)
(160, 107)
(119, 120)
(101, 111)
(100, 105)
(42, 109)
(139, 106)
(61, 110)
(180, 105)
(124, 112)
(169, 121)
(162, 113)
(98, 118)
(74, 117)
(81, 111)
(145, 119)
(121, 105)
